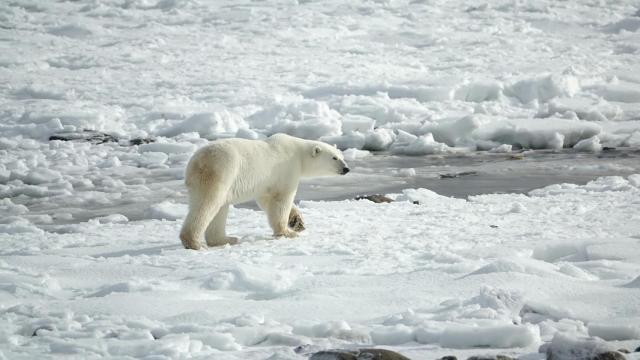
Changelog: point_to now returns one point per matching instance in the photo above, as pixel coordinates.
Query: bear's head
(325, 160)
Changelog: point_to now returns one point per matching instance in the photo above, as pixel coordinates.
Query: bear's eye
(335, 158)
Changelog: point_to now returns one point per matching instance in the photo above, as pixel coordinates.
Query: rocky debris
(96, 137)
(448, 357)
(492, 357)
(376, 198)
(516, 157)
(92, 136)
(624, 351)
(140, 141)
(362, 354)
(571, 347)
(609, 355)
(457, 175)
(295, 220)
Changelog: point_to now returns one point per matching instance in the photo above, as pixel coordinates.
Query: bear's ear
(316, 150)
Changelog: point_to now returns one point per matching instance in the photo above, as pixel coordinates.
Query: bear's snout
(345, 170)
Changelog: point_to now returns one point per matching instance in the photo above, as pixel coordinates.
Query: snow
(513, 277)
(320, 70)
(90, 261)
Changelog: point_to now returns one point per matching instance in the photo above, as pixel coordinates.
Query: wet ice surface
(472, 174)
(449, 175)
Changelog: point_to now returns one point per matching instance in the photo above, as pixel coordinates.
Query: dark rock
(609, 355)
(92, 136)
(457, 175)
(491, 357)
(45, 328)
(493, 226)
(637, 349)
(608, 148)
(295, 220)
(448, 357)
(140, 141)
(362, 354)
(376, 198)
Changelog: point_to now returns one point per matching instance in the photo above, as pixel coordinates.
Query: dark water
(472, 174)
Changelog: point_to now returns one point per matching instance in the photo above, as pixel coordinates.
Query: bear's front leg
(278, 207)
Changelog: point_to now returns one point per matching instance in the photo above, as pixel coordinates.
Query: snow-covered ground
(90, 262)
(501, 272)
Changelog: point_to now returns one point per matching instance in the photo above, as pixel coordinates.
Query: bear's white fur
(232, 171)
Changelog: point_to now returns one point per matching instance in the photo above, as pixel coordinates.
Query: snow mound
(561, 252)
(523, 266)
(601, 184)
(549, 133)
(497, 336)
(635, 283)
(611, 332)
(353, 139)
(543, 88)
(565, 346)
(166, 210)
(261, 283)
(392, 335)
(136, 285)
(308, 119)
(591, 144)
(423, 145)
(168, 148)
(422, 196)
(71, 30)
(354, 154)
(631, 24)
(207, 124)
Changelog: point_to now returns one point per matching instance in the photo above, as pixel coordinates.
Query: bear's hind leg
(203, 207)
(216, 233)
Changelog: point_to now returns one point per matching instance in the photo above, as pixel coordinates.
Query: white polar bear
(232, 171)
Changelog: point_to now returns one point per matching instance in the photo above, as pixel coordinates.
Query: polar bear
(232, 171)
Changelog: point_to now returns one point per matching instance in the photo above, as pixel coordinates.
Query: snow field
(454, 76)
(90, 262)
(400, 275)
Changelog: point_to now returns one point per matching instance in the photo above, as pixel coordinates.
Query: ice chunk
(610, 332)
(167, 148)
(308, 119)
(497, 336)
(423, 145)
(392, 335)
(351, 140)
(378, 139)
(208, 124)
(359, 123)
(166, 210)
(591, 144)
(565, 346)
(354, 154)
(543, 88)
(504, 148)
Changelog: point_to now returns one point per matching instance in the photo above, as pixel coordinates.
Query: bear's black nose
(345, 170)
